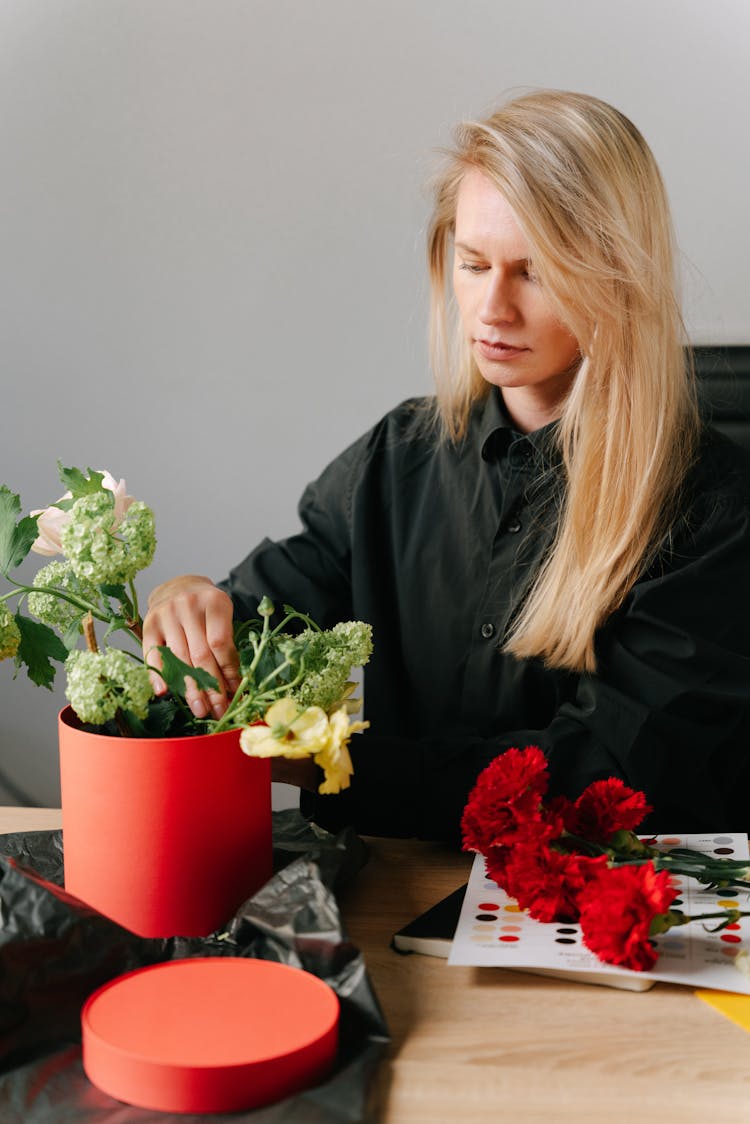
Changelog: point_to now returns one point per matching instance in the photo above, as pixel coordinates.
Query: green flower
(10, 636)
(101, 552)
(329, 659)
(101, 683)
(55, 611)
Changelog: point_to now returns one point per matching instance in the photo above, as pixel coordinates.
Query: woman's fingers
(193, 619)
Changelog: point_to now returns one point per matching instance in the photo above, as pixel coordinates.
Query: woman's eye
(472, 267)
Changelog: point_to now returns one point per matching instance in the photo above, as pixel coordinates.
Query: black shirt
(434, 544)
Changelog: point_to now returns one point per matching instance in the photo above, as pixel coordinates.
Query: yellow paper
(734, 1007)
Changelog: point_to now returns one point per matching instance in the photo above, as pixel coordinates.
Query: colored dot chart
(494, 932)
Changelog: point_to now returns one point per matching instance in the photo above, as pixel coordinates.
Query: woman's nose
(497, 305)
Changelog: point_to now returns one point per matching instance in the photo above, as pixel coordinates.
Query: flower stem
(79, 602)
(89, 634)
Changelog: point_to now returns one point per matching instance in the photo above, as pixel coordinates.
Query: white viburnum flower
(52, 519)
(102, 552)
(329, 658)
(101, 683)
(56, 611)
(10, 636)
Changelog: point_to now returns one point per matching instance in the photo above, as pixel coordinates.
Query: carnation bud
(661, 922)
(628, 843)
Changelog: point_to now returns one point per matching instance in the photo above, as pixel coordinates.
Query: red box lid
(209, 1034)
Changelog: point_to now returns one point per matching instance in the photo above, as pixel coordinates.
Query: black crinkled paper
(54, 951)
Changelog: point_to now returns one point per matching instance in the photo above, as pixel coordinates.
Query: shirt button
(513, 526)
(487, 630)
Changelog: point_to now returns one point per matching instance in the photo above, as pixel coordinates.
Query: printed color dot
(486, 917)
(519, 928)
(722, 839)
(565, 940)
(734, 925)
(730, 938)
(731, 951)
(508, 938)
(723, 850)
(565, 931)
(672, 841)
(512, 908)
(727, 904)
(484, 906)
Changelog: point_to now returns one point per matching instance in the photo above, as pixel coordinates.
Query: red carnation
(606, 807)
(505, 800)
(618, 909)
(548, 883)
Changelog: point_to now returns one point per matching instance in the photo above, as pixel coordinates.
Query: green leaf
(158, 721)
(174, 672)
(15, 537)
(116, 624)
(118, 591)
(72, 635)
(39, 644)
(78, 484)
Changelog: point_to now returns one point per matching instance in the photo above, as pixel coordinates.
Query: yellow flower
(294, 733)
(334, 759)
(289, 732)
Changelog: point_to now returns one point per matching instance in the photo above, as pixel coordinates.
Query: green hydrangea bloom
(329, 659)
(10, 636)
(101, 553)
(100, 683)
(55, 611)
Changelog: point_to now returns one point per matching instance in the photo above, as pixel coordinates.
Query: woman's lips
(499, 350)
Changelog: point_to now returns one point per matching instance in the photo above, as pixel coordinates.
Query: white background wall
(211, 234)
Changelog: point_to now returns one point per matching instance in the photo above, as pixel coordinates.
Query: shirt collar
(499, 438)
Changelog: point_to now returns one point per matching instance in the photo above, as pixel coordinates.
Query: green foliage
(174, 672)
(105, 538)
(159, 721)
(39, 645)
(312, 667)
(78, 484)
(16, 535)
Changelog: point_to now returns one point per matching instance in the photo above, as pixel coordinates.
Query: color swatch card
(493, 932)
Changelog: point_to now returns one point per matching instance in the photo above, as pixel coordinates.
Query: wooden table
(484, 1044)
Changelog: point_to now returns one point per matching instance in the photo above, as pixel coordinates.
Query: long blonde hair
(589, 197)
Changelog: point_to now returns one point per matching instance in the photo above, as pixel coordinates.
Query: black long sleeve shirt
(434, 545)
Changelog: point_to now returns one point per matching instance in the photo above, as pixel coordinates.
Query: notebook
(432, 935)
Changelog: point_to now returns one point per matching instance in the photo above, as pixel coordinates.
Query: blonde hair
(589, 197)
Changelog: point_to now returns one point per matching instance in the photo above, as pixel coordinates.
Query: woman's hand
(193, 618)
(302, 773)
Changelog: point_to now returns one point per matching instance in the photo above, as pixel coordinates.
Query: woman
(552, 551)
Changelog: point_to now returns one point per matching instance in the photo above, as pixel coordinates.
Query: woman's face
(517, 341)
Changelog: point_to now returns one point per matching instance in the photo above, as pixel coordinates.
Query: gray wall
(212, 216)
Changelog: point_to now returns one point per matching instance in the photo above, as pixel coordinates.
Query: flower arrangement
(581, 861)
(294, 696)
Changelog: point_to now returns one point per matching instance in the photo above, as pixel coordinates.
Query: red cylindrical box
(166, 836)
